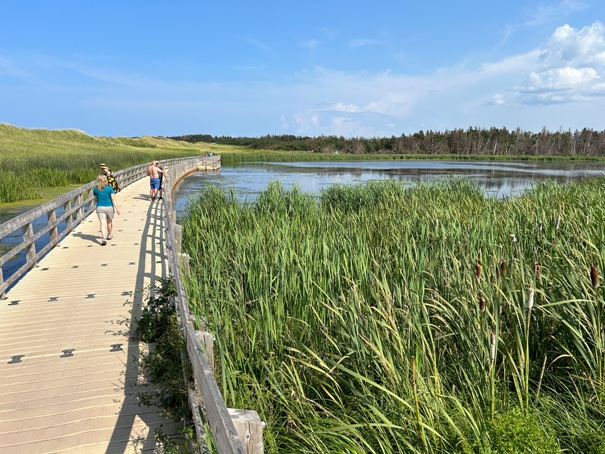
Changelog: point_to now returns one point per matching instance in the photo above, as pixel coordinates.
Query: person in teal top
(106, 207)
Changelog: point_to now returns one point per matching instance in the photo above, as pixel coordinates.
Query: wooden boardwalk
(69, 381)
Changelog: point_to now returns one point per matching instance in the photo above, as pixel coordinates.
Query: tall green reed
(386, 318)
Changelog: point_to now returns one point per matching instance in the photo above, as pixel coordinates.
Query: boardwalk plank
(76, 388)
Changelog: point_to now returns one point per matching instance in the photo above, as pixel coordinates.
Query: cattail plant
(594, 280)
(492, 368)
(594, 276)
(529, 304)
(478, 271)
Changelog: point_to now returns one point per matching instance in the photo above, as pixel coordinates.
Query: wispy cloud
(553, 12)
(259, 44)
(361, 42)
(310, 44)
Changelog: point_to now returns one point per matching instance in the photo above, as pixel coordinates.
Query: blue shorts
(155, 183)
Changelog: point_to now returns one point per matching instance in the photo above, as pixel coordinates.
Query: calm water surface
(500, 179)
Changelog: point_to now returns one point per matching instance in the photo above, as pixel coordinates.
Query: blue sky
(308, 68)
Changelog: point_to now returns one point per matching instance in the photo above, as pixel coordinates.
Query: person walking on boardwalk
(154, 179)
(161, 177)
(106, 207)
(111, 179)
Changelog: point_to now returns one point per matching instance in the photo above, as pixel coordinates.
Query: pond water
(496, 178)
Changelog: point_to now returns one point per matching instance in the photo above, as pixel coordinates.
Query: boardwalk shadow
(153, 265)
(87, 237)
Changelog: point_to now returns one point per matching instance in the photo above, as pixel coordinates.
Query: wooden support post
(184, 263)
(80, 207)
(178, 235)
(195, 407)
(69, 221)
(28, 233)
(52, 221)
(249, 429)
(207, 340)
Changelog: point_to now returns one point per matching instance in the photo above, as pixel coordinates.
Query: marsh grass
(384, 318)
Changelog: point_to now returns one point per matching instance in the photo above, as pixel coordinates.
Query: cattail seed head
(594, 276)
(530, 299)
(538, 271)
(503, 267)
(478, 271)
(482, 304)
(513, 238)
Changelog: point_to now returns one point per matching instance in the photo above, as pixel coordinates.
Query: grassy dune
(31, 161)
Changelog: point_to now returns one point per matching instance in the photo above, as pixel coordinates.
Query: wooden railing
(233, 431)
(37, 231)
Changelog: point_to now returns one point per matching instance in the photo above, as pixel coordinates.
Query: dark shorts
(155, 183)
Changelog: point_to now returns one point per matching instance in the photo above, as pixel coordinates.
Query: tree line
(472, 141)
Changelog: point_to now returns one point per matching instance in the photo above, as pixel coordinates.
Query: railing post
(70, 219)
(28, 232)
(80, 206)
(178, 235)
(249, 428)
(52, 221)
(207, 340)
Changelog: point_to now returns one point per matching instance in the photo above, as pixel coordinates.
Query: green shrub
(159, 314)
(515, 432)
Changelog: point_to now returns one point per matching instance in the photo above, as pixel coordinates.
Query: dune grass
(33, 160)
(426, 319)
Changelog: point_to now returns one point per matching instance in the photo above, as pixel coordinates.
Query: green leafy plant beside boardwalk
(424, 319)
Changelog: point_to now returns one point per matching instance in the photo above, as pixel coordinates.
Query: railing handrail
(221, 425)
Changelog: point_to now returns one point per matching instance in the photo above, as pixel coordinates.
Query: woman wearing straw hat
(111, 179)
(106, 206)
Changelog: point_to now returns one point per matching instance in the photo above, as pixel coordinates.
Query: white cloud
(360, 42)
(569, 69)
(340, 107)
(562, 78)
(310, 44)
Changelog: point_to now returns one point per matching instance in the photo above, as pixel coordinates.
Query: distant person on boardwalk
(161, 177)
(106, 207)
(110, 178)
(154, 179)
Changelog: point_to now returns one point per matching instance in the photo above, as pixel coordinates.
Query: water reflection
(499, 179)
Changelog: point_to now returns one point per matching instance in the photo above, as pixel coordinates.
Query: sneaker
(159, 197)
(103, 243)
(110, 236)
